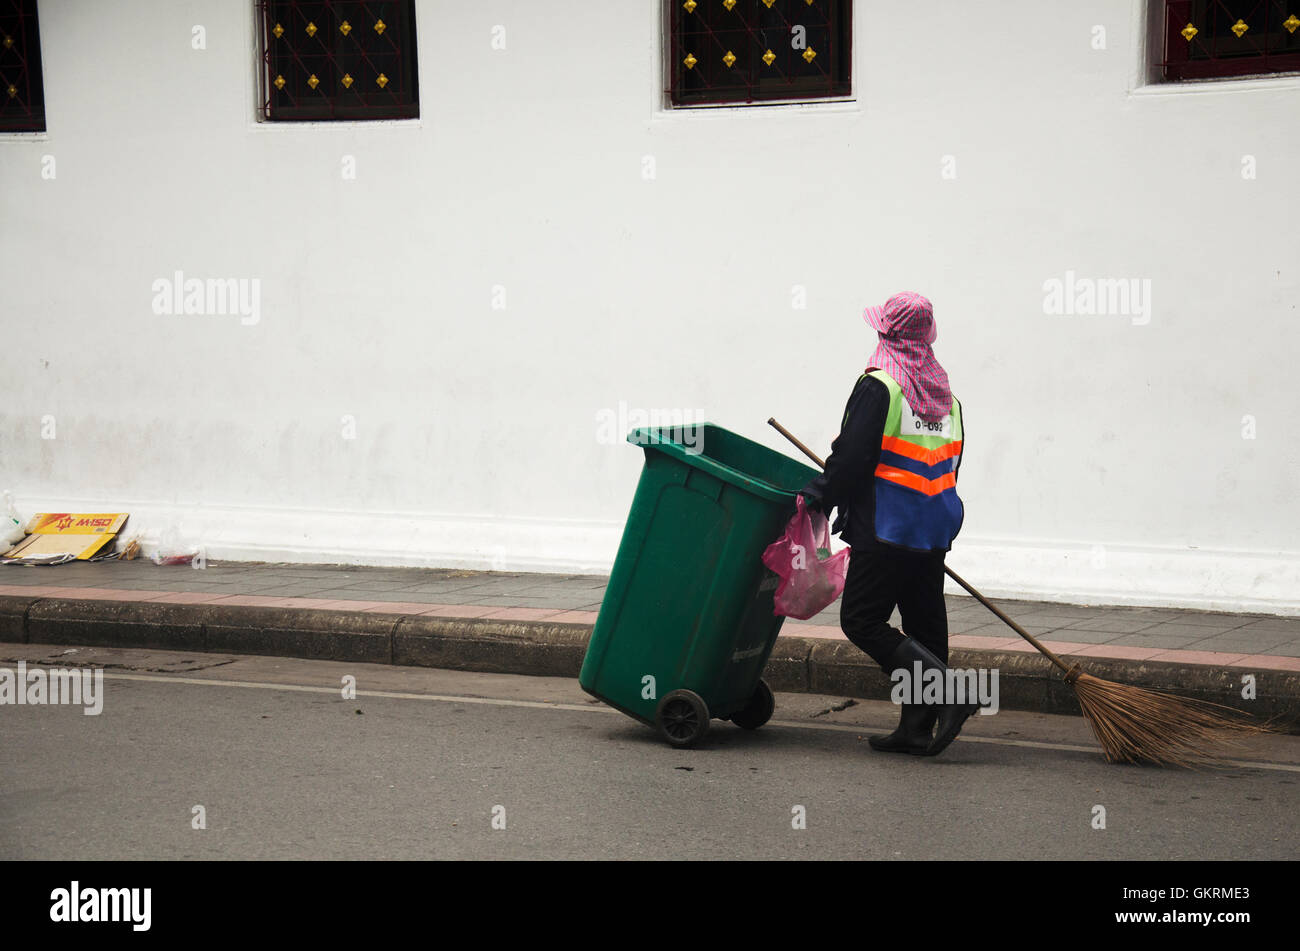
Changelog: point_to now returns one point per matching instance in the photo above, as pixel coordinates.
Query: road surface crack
(836, 708)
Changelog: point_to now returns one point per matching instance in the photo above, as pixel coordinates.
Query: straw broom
(1132, 724)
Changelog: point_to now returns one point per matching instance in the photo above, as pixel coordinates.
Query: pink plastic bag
(811, 577)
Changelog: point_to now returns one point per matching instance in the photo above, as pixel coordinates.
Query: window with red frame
(338, 59)
(745, 51)
(22, 95)
(1205, 39)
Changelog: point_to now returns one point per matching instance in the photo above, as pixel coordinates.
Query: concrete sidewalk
(539, 624)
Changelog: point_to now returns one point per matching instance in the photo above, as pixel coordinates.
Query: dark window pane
(1208, 38)
(339, 59)
(22, 97)
(754, 51)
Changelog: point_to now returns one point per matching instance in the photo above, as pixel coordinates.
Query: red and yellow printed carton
(73, 533)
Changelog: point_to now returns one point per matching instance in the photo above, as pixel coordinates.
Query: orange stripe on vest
(920, 483)
(912, 451)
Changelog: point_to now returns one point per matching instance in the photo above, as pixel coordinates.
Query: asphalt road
(422, 761)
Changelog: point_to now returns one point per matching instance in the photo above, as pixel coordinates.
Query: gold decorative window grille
(746, 51)
(1206, 39)
(22, 93)
(338, 59)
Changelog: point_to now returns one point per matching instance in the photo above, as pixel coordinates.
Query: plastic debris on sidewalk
(172, 551)
(11, 532)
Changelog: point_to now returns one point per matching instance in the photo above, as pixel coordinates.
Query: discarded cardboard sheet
(53, 538)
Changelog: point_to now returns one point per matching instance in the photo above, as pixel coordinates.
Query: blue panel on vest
(914, 520)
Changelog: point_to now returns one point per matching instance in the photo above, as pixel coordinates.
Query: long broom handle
(1050, 655)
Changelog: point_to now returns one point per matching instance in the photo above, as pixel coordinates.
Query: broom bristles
(1136, 725)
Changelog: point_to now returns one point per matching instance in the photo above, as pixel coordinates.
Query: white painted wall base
(1082, 573)
(1075, 573)
(412, 539)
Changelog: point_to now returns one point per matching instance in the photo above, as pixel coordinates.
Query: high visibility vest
(916, 479)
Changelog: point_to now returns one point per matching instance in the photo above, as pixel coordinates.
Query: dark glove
(813, 499)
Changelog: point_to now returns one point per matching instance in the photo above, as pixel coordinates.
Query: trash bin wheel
(682, 717)
(758, 710)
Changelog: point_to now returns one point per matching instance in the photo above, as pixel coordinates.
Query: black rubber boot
(914, 733)
(950, 716)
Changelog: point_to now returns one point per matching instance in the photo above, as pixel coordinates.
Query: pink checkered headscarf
(906, 328)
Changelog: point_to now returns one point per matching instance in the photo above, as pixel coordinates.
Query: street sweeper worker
(892, 474)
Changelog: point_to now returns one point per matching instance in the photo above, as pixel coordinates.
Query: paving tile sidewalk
(1131, 633)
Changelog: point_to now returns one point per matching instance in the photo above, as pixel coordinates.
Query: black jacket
(849, 481)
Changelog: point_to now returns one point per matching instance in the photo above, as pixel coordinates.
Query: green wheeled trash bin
(686, 625)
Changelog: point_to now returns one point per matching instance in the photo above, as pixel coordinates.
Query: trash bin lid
(727, 456)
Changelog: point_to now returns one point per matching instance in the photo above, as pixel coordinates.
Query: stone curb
(1026, 680)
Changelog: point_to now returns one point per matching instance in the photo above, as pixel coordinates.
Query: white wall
(1105, 458)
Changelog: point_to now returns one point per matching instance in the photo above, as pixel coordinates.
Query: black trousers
(881, 578)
